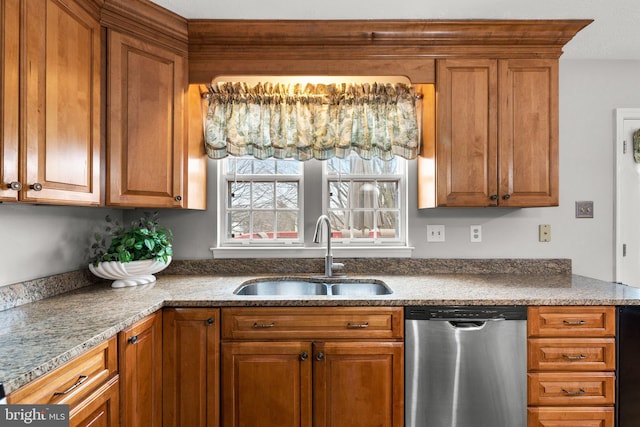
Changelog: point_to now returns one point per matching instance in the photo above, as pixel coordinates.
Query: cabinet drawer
(571, 321)
(571, 388)
(567, 354)
(312, 323)
(574, 417)
(72, 382)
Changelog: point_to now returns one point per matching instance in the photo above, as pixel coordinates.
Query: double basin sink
(313, 286)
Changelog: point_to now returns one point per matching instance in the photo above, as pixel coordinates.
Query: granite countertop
(40, 336)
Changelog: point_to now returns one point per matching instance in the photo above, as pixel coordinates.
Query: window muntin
(263, 201)
(364, 200)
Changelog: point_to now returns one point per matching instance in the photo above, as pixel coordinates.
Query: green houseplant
(133, 254)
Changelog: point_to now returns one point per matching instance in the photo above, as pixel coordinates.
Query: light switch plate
(435, 233)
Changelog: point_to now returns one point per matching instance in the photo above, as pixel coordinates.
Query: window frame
(400, 177)
(225, 177)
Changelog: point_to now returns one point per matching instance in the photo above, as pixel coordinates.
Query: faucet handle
(337, 266)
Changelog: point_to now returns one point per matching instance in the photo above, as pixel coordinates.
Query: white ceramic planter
(129, 273)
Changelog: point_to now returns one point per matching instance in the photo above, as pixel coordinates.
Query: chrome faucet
(329, 265)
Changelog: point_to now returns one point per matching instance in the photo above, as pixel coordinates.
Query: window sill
(319, 252)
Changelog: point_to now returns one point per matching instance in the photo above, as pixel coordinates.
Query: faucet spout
(329, 265)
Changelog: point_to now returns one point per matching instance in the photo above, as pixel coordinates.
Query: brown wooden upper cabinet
(50, 94)
(496, 140)
(155, 152)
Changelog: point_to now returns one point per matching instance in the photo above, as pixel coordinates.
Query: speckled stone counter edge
(33, 290)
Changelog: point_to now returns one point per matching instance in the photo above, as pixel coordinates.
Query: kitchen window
(261, 202)
(365, 200)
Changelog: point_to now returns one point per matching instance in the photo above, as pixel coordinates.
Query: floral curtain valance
(311, 121)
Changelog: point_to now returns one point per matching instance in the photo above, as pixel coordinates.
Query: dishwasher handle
(470, 324)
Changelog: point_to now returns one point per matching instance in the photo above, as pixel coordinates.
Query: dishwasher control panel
(490, 312)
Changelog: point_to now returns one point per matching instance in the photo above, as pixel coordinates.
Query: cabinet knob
(494, 197)
(304, 356)
(36, 186)
(506, 196)
(210, 321)
(15, 185)
(133, 339)
(320, 356)
(178, 198)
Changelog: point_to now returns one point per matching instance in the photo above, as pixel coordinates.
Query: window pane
(338, 195)
(244, 166)
(387, 194)
(238, 225)
(287, 225)
(266, 167)
(263, 195)
(365, 194)
(239, 194)
(288, 167)
(363, 221)
(339, 221)
(389, 224)
(263, 224)
(287, 193)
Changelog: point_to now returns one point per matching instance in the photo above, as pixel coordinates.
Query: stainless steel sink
(360, 289)
(282, 287)
(293, 287)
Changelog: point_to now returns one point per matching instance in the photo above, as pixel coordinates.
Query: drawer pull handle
(81, 379)
(264, 325)
(570, 323)
(574, 357)
(357, 325)
(574, 393)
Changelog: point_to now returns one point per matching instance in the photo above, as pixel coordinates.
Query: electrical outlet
(584, 209)
(435, 233)
(475, 233)
(544, 232)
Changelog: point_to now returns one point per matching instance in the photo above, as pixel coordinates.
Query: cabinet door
(145, 149)
(191, 366)
(467, 107)
(140, 349)
(528, 132)
(61, 103)
(358, 384)
(98, 410)
(9, 97)
(266, 384)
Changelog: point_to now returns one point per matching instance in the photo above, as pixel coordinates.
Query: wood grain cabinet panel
(571, 388)
(496, 134)
(57, 158)
(89, 384)
(571, 364)
(566, 354)
(191, 367)
(573, 417)
(313, 367)
(571, 321)
(140, 362)
(146, 119)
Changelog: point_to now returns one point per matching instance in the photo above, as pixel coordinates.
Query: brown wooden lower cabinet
(191, 367)
(334, 374)
(571, 366)
(88, 384)
(140, 363)
(98, 410)
(572, 417)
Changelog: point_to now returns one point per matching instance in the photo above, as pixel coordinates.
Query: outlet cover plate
(584, 209)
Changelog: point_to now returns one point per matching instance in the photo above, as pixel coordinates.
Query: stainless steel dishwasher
(465, 366)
